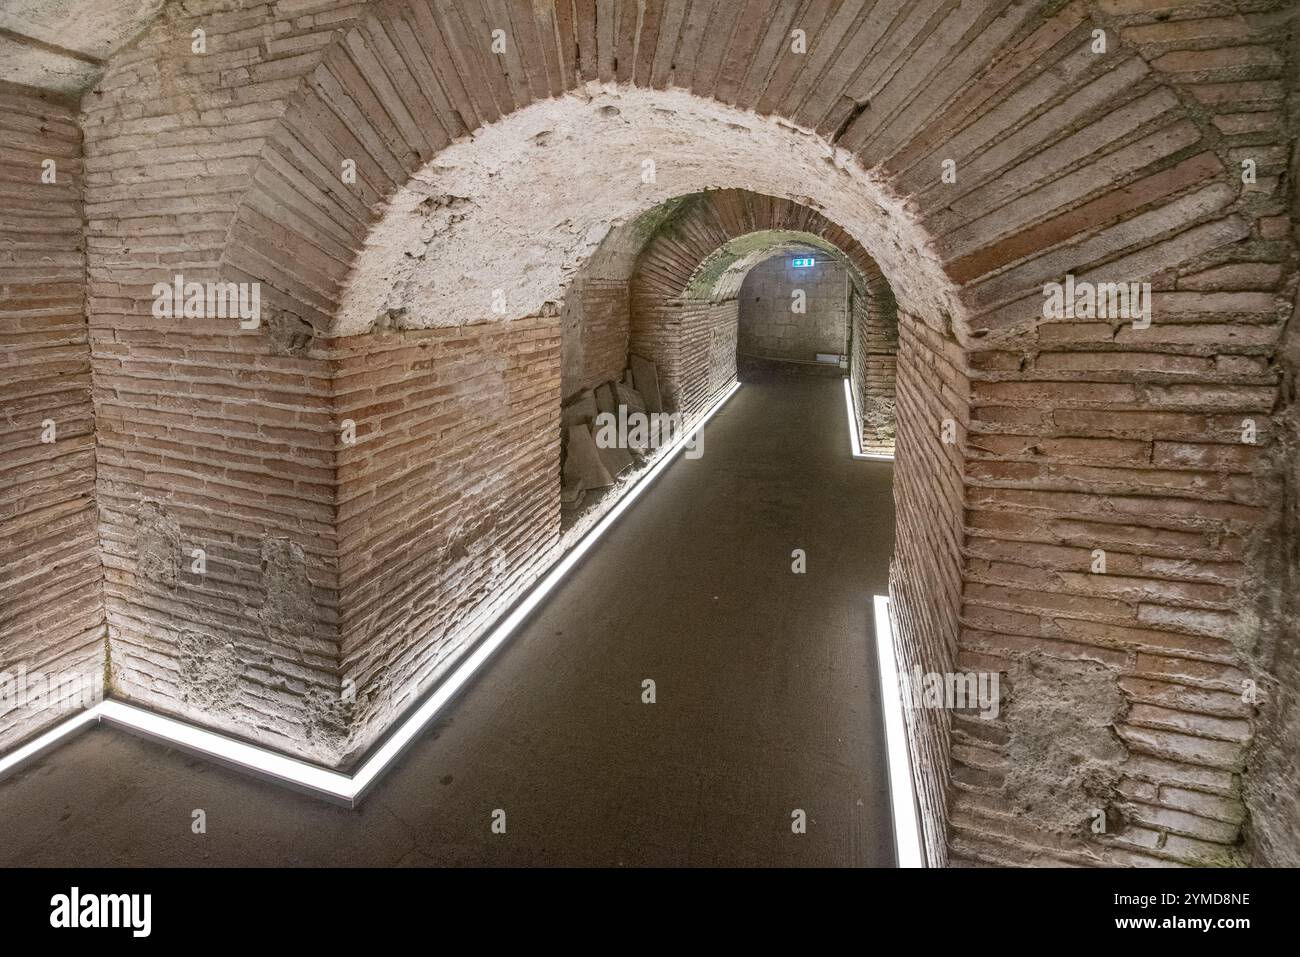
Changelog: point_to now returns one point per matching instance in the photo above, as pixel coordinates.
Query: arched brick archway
(692, 261)
(411, 78)
(1069, 437)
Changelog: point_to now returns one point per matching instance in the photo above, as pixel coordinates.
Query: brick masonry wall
(209, 437)
(1272, 783)
(51, 591)
(873, 370)
(672, 260)
(926, 574)
(174, 139)
(708, 354)
(449, 501)
(1272, 786)
(208, 440)
(655, 334)
(769, 328)
(1148, 465)
(595, 321)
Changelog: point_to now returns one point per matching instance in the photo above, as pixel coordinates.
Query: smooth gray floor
(766, 682)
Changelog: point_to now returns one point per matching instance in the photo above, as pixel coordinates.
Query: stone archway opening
(683, 347)
(795, 313)
(450, 262)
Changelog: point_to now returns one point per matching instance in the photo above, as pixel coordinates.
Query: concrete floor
(766, 683)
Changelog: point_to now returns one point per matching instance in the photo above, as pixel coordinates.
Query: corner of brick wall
(51, 577)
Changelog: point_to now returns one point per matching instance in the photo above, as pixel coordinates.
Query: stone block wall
(771, 329)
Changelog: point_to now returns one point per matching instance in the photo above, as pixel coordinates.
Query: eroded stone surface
(210, 670)
(287, 606)
(158, 546)
(1064, 757)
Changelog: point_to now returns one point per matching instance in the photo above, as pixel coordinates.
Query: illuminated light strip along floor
(851, 405)
(319, 781)
(46, 741)
(907, 835)
(225, 750)
(406, 732)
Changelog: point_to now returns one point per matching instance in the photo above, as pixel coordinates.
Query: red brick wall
(1082, 435)
(673, 257)
(655, 325)
(1272, 789)
(209, 437)
(708, 353)
(1148, 466)
(1140, 454)
(449, 501)
(873, 369)
(1242, 68)
(595, 322)
(51, 597)
(926, 575)
(208, 440)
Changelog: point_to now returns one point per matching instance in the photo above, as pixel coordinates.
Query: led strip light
(907, 835)
(48, 740)
(851, 405)
(317, 780)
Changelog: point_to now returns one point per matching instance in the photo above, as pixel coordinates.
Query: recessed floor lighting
(851, 406)
(902, 797)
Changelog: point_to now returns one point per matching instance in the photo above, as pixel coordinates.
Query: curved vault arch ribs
(700, 254)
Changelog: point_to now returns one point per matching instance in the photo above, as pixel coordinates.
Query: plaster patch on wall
(210, 670)
(289, 335)
(158, 545)
(500, 224)
(1065, 759)
(287, 604)
(327, 718)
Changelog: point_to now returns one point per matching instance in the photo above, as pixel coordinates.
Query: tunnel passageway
(766, 698)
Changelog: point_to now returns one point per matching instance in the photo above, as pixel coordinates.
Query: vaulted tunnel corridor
(767, 698)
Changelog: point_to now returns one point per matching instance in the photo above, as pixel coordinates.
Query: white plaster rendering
(503, 209)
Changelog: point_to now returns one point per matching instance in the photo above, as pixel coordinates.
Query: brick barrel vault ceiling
(674, 255)
(1127, 177)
